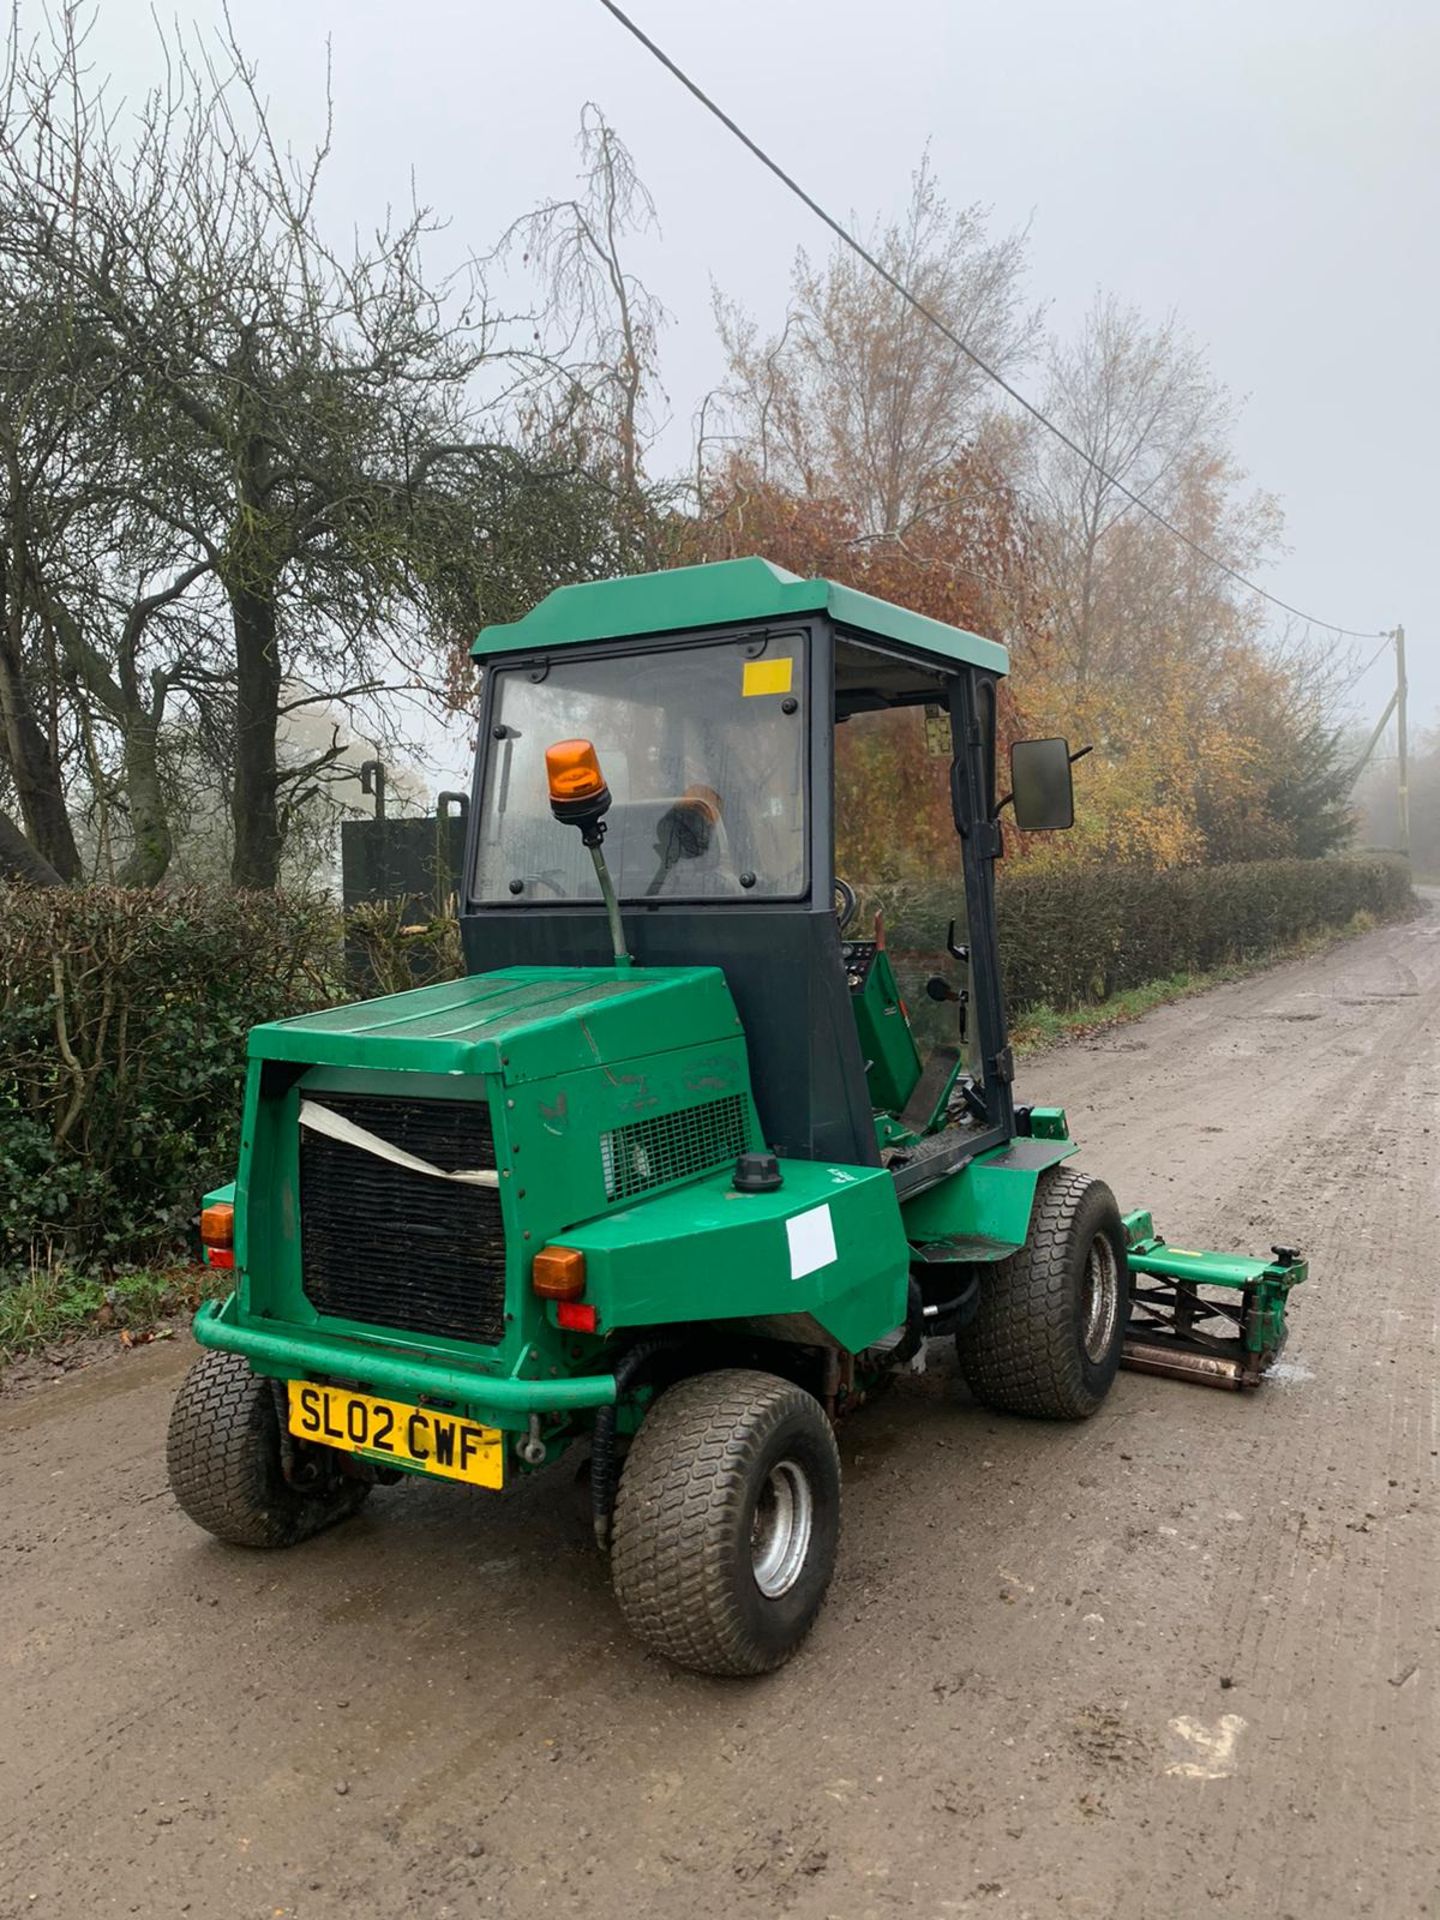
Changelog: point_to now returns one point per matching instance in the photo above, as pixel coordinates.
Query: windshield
(703, 749)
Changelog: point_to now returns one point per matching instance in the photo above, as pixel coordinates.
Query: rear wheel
(224, 1460)
(728, 1521)
(1050, 1324)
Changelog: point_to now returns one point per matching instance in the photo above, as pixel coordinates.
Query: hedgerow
(123, 1016)
(1072, 936)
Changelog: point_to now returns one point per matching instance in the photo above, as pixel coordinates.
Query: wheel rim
(1099, 1299)
(780, 1535)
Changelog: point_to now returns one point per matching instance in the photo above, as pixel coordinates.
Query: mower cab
(717, 742)
(669, 1162)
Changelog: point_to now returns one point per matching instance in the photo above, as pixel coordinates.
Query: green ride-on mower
(667, 1168)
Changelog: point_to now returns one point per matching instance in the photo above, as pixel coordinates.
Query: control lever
(938, 988)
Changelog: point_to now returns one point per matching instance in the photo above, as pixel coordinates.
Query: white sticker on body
(812, 1241)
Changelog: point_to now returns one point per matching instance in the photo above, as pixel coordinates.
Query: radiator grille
(673, 1146)
(400, 1249)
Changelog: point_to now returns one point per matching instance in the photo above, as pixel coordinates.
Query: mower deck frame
(1227, 1335)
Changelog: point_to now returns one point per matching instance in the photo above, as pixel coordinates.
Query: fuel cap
(757, 1173)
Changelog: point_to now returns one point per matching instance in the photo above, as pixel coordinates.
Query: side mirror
(1041, 786)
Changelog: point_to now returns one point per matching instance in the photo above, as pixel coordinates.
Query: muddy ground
(1179, 1660)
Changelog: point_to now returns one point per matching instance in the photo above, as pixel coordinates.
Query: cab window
(703, 749)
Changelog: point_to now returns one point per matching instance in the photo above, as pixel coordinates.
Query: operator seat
(675, 849)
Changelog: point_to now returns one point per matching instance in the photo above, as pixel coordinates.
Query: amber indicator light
(558, 1273)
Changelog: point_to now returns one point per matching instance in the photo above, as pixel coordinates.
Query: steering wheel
(846, 901)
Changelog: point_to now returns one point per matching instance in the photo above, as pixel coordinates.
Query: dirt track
(1180, 1660)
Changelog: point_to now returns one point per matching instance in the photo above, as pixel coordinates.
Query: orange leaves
(963, 562)
(1188, 715)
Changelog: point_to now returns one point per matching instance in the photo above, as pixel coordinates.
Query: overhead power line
(844, 234)
(1361, 672)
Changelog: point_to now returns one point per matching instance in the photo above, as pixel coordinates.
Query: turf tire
(708, 1452)
(1025, 1349)
(223, 1458)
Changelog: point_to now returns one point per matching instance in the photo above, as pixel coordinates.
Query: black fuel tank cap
(757, 1173)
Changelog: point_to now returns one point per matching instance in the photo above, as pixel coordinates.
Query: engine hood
(521, 1023)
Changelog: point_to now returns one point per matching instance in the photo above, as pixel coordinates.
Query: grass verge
(1044, 1026)
(52, 1304)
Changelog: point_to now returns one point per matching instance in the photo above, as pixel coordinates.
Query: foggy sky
(1270, 171)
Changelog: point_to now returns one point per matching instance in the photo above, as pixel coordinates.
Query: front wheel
(226, 1469)
(728, 1521)
(1047, 1334)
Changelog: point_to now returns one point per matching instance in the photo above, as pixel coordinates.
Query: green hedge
(123, 1017)
(1072, 936)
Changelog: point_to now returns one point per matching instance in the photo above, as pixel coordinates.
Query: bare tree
(88, 584)
(596, 377)
(1142, 404)
(90, 573)
(858, 397)
(271, 445)
(43, 422)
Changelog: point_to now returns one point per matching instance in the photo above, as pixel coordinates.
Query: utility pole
(1402, 743)
(1373, 742)
(1396, 705)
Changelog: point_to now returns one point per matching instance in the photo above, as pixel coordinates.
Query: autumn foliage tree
(1211, 741)
(856, 442)
(963, 562)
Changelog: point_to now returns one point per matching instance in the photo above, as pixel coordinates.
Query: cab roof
(721, 594)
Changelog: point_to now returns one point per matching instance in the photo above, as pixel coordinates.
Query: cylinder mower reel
(1212, 1317)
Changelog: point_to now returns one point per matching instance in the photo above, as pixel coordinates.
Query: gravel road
(1180, 1660)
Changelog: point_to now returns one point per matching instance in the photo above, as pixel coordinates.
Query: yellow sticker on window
(767, 676)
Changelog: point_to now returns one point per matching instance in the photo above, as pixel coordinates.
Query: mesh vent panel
(673, 1146)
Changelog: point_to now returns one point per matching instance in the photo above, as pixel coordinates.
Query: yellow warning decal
(767, 676)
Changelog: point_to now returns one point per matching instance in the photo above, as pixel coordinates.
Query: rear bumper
(302, 1353)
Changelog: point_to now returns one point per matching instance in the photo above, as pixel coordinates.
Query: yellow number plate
(417, 1437)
